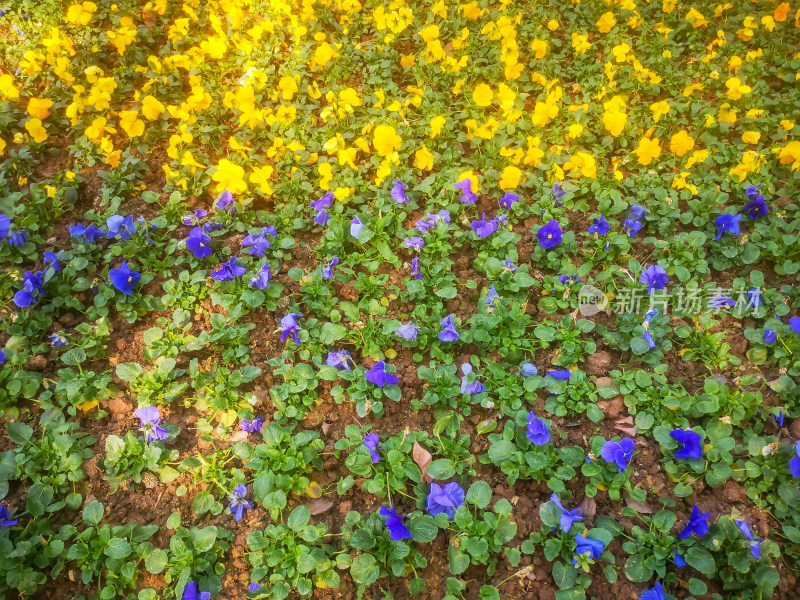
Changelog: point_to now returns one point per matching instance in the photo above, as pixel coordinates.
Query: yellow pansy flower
(385, 140)
(423, 159)
(681, 143)
(751, 137)
(229, 176)
(482, 95)
(510, 178)
(36, 129)
(152, 109)
(130, 123)
(647, 150)
(39, 108)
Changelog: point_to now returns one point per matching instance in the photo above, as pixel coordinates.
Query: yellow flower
(735, 88)
(39, 108)
(423, 159)
(606, 22)
(787, 125)
(698, 157)
(509, 179)
(552, 24)
(2, 146)
(647, 150)
(482, 95)
(696, 18)
(152, 108)
(260, 177)
(539, 48)
(288, 87)
(614, 118)
(385, 140)
(475, 185)
(582, 165)
(681, 143)
(781, 11)
(790, 154)
(7, 89)
(80, 14)
(37, 131)
(326, 175)
(580, 43)
(437, 123)
(229, 176)
(751, 137)
(659, 109)
(131, 124)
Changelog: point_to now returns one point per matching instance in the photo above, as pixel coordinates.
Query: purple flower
(484, 228)
(679, 560)
(537, 432)
(558, 374)
(355, 227)
(599, 226)
(322, 217)
(756, 208)
(120, 226)
(225, 202)
(190, 592)
(568, 517)
(150, 418)
(289, 326)
(619, 452)
(124, 279)
(398, 192)
(371, 442)
(794, 323)
(2, 357)
(507, 264)
(199, 243)
(408, 332)
(648, 337)
(19, 238)
(657, 593)
(50, 259)
(755, 545)
(638, 212)
(195, 218)
(556, 193)
(549, 235)
(508, 200)
(470, 387)
(89, 234)
(445, 499)
(379, 376)
(5, 226)
(323, 203)
(238, 502)
(794, 462)
(632, 226)
(448, 332)
(253, 426)
(394, 523)
(423, 225)
(654, 277)
(257, 242)
(262, 277)
(727, 223)
(415, 268)
(57, 339)
(754, 297)
(778, 418)
(752, 191)
(589, 546)
(415, 243)
(32, 289)
(341, 360)
(5, 518)
(253, 587)
(228, 271)
(467, 195)
(327, 270)
(492, 298)
(719, 302)
(528, 370)
(697, 524)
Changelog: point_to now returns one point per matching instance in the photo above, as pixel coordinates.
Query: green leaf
(19, 433)
(299, 518)
(423, 528)
(442, 468)
(636, 570)
(128, 371)
(331, 333)
(74, 356)
(700, 559)
(365, 569)
(479, 494)
(447, 293)
(117, 548)
(93, 513)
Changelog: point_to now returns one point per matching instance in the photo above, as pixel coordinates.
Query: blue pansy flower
(408, 332)
(323, 203)
(262, 277)
(120, 226)
(638, 212)
(697, 524)
(568, 517)
(467, 195)
(599, 226)
(632, 226)
(124, 279)
(536, 431)
(257, 242)
(253, 426)
(528, 370)
(340, 359)
(448, 332)
(654, 277)
(549, 235)
(470, 387)
(394, 524)
(327, 270)
(727, 223)
(239, 502)
(558, 374)
(794, 462)
(355, 227)
(199, 243)
(415, 243)
(657, 593)
(380, 376)
(484, 228)
(690, 442)
(191, 592)
(619, 452)
(229, 270)
(444, 499)
(5, 518)
(290, 326)
(371, 442)
(32, 289)
(594, 548)
(398, 192)
(755, 544)
(151, 419)
(508, 200)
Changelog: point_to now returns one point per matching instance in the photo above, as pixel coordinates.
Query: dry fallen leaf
(422, 457)
(320, 505)
(641, 507)
(589, 508)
